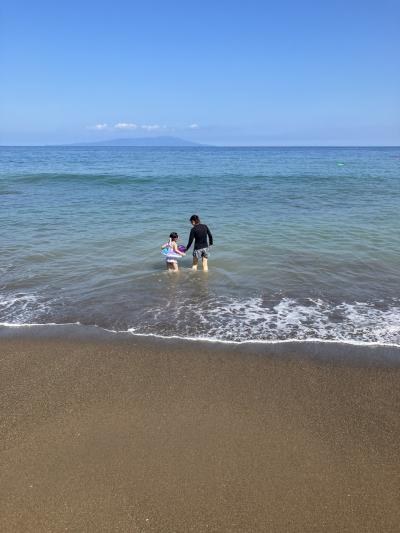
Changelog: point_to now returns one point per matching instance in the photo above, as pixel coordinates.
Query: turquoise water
(307, 241)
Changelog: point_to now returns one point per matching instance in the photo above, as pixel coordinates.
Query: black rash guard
(199, 234)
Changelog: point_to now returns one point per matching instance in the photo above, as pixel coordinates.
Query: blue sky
(233, 73)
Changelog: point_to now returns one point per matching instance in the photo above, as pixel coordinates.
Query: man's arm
(210, 237)
(191, 237)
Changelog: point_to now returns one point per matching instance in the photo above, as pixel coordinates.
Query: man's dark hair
(195, 219)
(173, 235)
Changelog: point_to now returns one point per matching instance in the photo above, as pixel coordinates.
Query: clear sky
(286, 72)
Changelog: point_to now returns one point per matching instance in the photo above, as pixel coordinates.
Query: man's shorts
(202, 252)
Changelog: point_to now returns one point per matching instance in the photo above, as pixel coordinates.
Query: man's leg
(205, 263)
(195, 263)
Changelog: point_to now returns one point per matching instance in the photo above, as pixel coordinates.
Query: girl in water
(171, 262)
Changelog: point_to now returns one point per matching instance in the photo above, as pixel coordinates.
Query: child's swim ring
(169, 252)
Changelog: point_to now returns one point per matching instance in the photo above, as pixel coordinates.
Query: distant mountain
(141, 141)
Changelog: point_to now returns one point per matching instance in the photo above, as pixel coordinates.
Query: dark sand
(139, 435)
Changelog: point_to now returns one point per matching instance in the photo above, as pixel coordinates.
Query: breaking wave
(230, 319)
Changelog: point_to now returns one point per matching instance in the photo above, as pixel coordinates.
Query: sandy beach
(142, 435)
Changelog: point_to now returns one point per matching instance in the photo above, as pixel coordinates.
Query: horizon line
(201, 145)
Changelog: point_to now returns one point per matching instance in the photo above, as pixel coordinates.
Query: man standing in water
(199, 234)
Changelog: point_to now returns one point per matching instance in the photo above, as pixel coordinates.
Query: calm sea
(307, 241)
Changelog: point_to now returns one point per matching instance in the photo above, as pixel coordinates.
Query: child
(199, 234)
(172, 263)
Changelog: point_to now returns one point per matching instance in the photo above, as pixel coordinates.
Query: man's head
(194, 219)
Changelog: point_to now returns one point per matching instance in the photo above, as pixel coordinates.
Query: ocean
(306, 241)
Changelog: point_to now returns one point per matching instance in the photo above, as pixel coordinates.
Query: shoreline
(102, 433)
(86, 332)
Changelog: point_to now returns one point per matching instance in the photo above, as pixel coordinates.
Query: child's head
(174, 236)
(194, 219)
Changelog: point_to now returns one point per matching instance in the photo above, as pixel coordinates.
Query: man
(202, 238)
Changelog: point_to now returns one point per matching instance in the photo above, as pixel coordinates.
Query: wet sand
(143, 435)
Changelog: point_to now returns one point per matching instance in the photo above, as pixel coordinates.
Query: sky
(286, 72)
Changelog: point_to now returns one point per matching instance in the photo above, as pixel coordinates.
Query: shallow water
(307, 240)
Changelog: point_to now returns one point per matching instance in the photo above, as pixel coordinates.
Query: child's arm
(175, 249)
